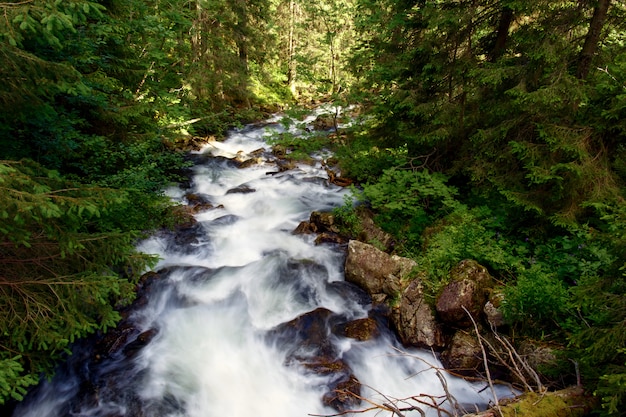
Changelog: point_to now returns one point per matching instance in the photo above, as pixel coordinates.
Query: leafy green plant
(362, 160)
(407, 201)
(538, 299)
(346, 216)
(299, 147)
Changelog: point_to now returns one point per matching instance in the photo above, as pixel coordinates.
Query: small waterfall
(224, 327)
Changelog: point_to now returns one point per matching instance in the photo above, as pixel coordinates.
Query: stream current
(221, 296)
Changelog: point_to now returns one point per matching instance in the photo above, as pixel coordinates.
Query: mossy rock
(570, 402)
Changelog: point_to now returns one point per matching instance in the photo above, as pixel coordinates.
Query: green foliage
(538, 298)
(611, 387)
(364, 161)
(407, 201)
(13, 383)
(299, 147)
(64, 268)
(469, 234)
(346, 216)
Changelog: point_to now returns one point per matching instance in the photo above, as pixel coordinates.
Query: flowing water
(220, 301)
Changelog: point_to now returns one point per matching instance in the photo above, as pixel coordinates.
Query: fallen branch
(486, 362)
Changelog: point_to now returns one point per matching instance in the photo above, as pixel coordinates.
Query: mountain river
(229, 308)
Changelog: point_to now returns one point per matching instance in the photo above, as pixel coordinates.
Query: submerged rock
(198, 202)
(242, 189)
(307, 339)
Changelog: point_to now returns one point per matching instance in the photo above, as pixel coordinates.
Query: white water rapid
(219, 308)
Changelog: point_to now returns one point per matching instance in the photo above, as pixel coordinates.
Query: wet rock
(307, 337)
(324, 122)
(257, 152)
(374, 270)
(344, 395)
(360, 329)
(294, 277)
(142, 340)
(242, 189)
(308, 342)
(186, 236)
(247, 163)
(198, 202)
(225, 220)
(283, 166)
(463, 354)
(349, 291)
(114, 340)
(328, 237)
(323, 221)
(304, 228)
(467, 291)
(415, 319)
(319, 222)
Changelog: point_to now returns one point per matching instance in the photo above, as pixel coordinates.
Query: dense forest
(491, 130)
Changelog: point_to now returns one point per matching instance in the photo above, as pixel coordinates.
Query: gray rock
(374, 270)
(415, 319)
(463, 354)
(467, 291)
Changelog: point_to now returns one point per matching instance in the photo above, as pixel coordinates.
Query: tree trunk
(291, 72)
(241, 39)
(506, 18)
(593, 38)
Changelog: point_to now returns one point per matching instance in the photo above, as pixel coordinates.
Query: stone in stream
(242, 189)
(307, 339)
(360, 329)
(198, 202)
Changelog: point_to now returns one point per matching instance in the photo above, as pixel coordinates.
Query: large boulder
(414, 319)
(376, 271)
(463, 355)
(467, 291)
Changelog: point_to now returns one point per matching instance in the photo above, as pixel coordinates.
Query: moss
(565, 403)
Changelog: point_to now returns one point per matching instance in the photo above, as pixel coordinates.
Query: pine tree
(63, 270)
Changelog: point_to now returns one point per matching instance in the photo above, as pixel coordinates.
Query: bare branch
(485, 362)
